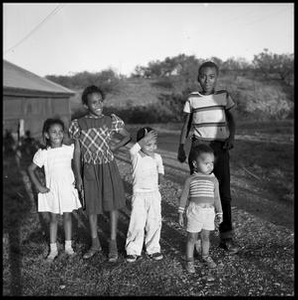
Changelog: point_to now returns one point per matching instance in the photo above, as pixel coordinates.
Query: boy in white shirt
(146, 201)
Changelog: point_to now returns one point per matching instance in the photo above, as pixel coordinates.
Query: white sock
(68, 244)
(53, 247)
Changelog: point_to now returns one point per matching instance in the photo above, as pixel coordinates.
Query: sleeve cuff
(181, 209)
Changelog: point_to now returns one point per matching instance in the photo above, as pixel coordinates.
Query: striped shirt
(208, 114)
(201, 188)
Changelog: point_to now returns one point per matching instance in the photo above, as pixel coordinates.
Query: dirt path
(265, 246)
(264, 266)
(248, 192)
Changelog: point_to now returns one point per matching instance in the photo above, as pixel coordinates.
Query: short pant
(199, 218)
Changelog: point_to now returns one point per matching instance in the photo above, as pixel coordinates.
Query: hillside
(161, 99)
(130, 92)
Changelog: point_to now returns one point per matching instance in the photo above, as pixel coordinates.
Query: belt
(195, 139)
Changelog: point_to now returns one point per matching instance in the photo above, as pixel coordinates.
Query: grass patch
(162, 99)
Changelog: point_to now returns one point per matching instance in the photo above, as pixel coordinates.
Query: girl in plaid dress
(96, 171)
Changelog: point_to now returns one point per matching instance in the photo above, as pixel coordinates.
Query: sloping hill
(257, 100)
(131, 92)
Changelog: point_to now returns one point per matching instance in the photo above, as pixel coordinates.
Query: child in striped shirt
(204, 208)
(211, 114)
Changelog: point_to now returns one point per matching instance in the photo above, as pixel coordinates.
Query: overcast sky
(66, 38)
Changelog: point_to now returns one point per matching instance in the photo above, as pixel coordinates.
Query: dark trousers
(222, 173)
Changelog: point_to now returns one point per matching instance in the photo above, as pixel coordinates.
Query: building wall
(34, 111)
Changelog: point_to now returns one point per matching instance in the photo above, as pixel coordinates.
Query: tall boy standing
(211, 114)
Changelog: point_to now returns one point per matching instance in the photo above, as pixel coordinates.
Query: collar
(89, 116)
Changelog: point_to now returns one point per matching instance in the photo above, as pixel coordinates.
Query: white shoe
(52, 256)
(69, 251)
(209, 262)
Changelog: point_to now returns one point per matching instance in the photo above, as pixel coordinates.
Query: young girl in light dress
(59, 195)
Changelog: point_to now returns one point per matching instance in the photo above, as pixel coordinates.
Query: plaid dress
(103, 185)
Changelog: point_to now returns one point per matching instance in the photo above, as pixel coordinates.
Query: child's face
(207, 79)
(204, 163)
(55, 135)
(150, 147)
(95, 104)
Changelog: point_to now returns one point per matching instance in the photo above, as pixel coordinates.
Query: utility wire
(52, 13)
(257, 20)
(266, 17)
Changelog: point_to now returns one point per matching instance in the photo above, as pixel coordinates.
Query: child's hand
(181, 154)
(229, 143)
(181, 220)
(151, 135)
(218, 220)
(79, 184)
(128, 204)
(43, 189)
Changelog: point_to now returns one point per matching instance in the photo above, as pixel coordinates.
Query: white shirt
(145, 170)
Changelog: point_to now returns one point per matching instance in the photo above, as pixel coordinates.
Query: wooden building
(29, 99)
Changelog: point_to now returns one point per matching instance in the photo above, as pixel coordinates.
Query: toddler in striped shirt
(204, 209)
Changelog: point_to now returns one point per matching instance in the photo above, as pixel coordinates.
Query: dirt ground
(263, 267)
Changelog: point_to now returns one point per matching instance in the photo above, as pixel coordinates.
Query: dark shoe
(91, 252)
(156, 256)
(113, 252)
(229, 245)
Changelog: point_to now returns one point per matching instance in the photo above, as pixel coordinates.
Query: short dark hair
(48, 123)
(198, 150)
(90, 90)
(208, 64)
(141, 132)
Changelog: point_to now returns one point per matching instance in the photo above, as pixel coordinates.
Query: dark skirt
(103, 188)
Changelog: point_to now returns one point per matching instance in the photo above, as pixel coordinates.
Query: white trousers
(145, 221)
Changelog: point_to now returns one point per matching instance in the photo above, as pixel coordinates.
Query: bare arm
(31, 170)
(161, 178)
(182, 202)
(217, 204)
(161, 170)
(126, 138)
(183, 135)
(184, 195)
(184, 130)
(77, 164)
(229, 143)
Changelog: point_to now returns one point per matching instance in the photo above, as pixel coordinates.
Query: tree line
(266, 64)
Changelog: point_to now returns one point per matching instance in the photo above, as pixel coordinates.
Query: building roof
(17, 80)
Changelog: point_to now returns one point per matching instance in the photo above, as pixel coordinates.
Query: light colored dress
(63, 196)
